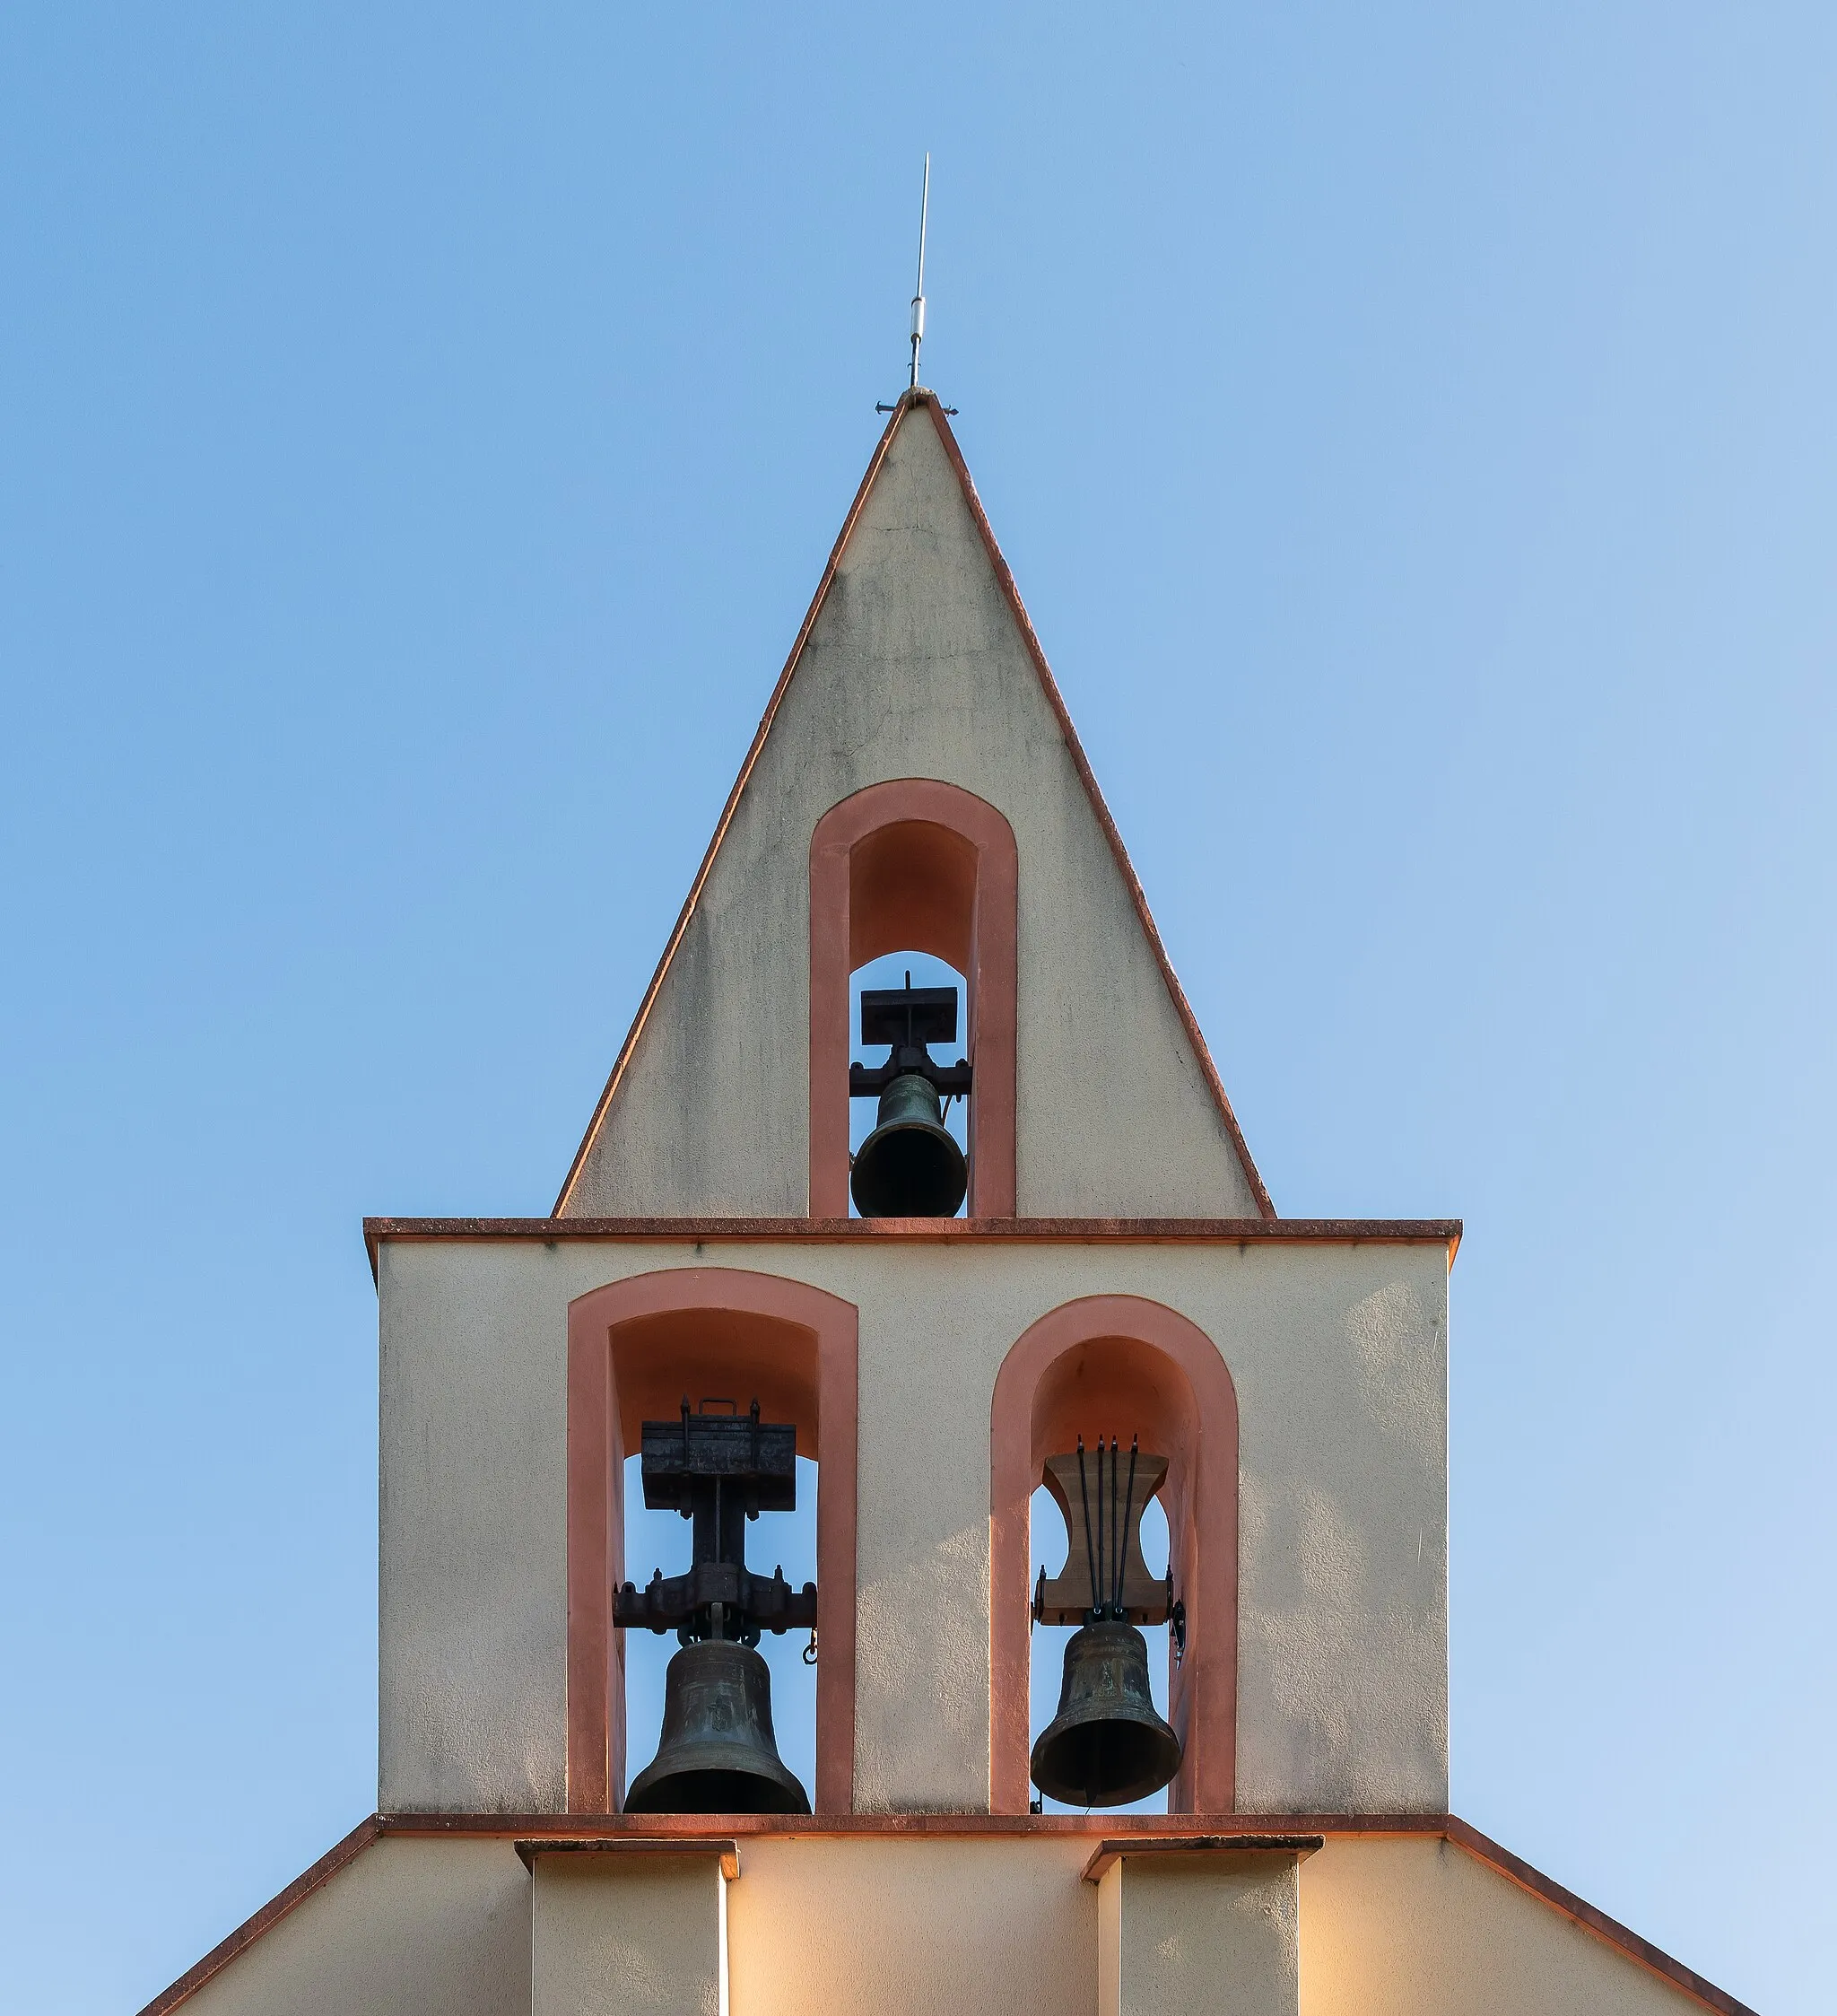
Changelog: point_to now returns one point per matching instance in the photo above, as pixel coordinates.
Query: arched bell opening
(1149, 1379)
(1057, 1545)
(920, 974)
(718, 1339)
(912, 875)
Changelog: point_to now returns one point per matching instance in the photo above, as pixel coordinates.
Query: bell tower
(1063, 1392)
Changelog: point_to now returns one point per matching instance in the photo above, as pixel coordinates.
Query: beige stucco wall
(915, 668)
(625, 1935)
(928, 1928)
(472, 1521)
(1338, 1354)
(1190, 1935)
(1421, 1928)
(410, 1928)
(854, 1927)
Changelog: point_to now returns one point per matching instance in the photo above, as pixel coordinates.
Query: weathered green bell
(718, 1753)
(910, 1166)
(1106, 1745)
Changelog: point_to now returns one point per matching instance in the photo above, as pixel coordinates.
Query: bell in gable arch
(910, 1166)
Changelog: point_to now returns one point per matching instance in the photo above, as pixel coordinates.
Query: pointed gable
(915, 661)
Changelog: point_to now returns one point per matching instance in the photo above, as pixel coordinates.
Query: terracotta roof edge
(1448, 1232)
(1642, 1952)
(277, 1907)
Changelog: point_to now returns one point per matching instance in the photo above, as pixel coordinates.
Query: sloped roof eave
(521, 1827)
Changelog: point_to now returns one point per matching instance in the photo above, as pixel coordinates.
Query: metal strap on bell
(1106, 1745)
(718, 1753)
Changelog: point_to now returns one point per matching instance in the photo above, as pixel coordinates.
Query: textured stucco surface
(474, 1517)
(1190, 1935)
(1419, 1928)
(410, 1928)
(841, 1927)
(625, 1935)
(1339, 1355)
(928, 1928)
(915, 667)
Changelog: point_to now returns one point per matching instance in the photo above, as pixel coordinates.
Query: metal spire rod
(919, 291)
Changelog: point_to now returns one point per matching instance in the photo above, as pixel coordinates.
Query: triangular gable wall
(915, 660)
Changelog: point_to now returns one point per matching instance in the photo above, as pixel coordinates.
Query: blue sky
(1411, 429)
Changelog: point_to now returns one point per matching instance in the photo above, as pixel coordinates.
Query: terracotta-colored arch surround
(635, 1347)
(916, 865)
(1123, 1364)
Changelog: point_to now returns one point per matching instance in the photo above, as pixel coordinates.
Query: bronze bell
(718, 1753)
(910, 1166)
(1106, 1745)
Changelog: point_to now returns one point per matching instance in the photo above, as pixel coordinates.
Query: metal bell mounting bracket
(909, 1020)
(718, 1471)
(1102, 1494)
